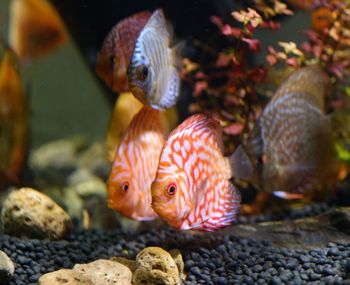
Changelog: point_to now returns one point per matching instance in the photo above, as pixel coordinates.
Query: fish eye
(124, 187)
(171, 189)
(142, 73)
(111, 61)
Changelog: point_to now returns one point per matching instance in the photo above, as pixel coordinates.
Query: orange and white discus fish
(153, 77)
(192, 188)
(135, 165)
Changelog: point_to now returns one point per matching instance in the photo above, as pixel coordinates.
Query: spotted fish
(117, 49)
(153, 75)
(290, 150)
(135, 165)
(192, 188)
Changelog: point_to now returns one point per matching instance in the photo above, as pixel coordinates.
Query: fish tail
(177, 50)
(241, 165)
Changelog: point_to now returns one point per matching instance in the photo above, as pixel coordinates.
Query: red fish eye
(125, 187)
(171, 190)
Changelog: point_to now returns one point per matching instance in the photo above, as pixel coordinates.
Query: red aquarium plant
(226, 88)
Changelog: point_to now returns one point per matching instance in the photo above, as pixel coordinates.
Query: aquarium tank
(174, 142)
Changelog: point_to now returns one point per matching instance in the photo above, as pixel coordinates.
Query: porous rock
(155, 266)
(176, 255)
(64, 277)
(129, 263)
(6, 268)
(29, 213)
(105, 272)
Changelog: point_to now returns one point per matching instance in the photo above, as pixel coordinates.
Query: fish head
(126, 194)
(169, 191)
(153, 78)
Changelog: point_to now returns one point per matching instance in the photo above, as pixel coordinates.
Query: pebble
(7, 268)
(208, 259)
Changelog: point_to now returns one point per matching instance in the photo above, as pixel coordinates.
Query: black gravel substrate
(209, 258)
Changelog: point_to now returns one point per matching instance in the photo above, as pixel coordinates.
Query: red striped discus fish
(117, 49)
(192, 188)
(135, 165)
(153, 77)
(293, 137)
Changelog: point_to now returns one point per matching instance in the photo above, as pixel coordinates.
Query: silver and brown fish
(291, 148)
(117, 49)
(153, 75)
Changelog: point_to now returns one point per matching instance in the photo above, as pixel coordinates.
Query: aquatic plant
(234, 88)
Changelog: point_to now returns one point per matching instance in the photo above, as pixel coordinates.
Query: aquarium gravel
(209, 258)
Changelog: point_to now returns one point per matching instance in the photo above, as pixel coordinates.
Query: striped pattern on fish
(135, 165)
(153, 78)
(192, 162)
(117, 49)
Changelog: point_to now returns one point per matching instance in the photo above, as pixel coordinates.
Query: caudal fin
(241, 165)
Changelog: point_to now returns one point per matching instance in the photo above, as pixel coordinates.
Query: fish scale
(205, 199)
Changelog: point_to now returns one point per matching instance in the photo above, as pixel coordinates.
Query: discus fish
(117, 48)
(36, 29)
(13, 120)
(153, 76)
(135, 165)
(125, 108)
(302, 4)
(290, 150)
(192, 188)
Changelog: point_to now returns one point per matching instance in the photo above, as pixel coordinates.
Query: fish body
(117, 48)
(125, 108)
(13, 120)
(291, 146)
(153, 76)
(192, 188)
(36, 29)
(135, 165)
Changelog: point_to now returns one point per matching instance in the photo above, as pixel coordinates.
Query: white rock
(64, 277)
(6, 268)
(105, 272)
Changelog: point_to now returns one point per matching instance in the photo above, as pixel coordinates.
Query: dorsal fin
(199, 123)
(147, 119)
(157, 22)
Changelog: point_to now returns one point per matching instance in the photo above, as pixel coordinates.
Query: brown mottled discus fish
(36, 28)
(117, 48)
(13, 120)
(291, 148)
(135, 165)
(302, 4)
(153, 75)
